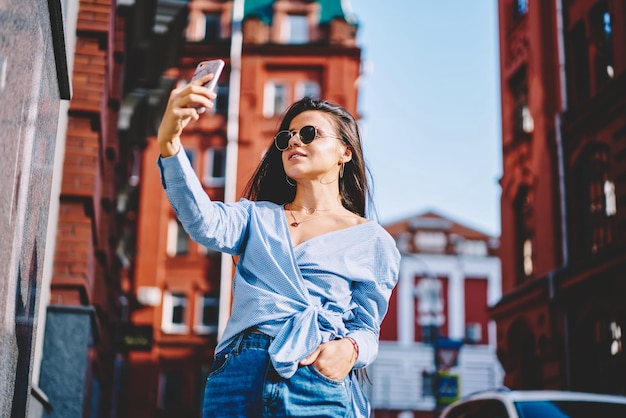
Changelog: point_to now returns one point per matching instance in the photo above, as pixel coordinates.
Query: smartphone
(214, 67)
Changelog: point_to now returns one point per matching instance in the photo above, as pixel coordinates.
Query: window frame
(299, 35)
(270, 106)
(176, 237)
(172, 300)
(210, 155)
(199, 326)
(302, 87)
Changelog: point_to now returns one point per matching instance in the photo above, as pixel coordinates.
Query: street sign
(447, 353)
(448, 389)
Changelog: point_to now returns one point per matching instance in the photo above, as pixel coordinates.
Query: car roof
(538, 395)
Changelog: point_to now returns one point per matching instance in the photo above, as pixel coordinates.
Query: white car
(536, 404)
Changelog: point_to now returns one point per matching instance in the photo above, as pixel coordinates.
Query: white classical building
(449, 276)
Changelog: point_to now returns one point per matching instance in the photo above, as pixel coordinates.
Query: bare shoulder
(351, 218)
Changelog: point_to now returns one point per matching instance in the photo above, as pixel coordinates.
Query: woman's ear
(347, 155)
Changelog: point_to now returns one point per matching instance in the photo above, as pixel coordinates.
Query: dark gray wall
(65, 366)
(29, 113)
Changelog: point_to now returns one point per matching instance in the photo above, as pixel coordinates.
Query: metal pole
(232, 148)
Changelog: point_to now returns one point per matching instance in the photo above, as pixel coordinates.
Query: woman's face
(319, 160)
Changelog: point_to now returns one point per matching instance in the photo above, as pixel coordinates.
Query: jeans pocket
(219, 362)
(323, 377)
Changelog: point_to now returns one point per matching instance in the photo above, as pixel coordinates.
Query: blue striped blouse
(334, 285)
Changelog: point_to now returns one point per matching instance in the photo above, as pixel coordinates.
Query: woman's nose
(295, 140)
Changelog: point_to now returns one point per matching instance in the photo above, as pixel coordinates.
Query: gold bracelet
(355, 346)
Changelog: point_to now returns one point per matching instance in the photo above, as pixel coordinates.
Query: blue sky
(430, 107)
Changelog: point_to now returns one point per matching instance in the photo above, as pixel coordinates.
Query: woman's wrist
(355, 347)
(169, 148)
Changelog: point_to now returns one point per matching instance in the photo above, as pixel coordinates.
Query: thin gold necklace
(308, 211)
(311, 211)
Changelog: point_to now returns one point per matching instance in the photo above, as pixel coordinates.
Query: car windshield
(569, 409)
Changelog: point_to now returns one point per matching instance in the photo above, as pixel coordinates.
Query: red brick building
(288, 49)
(119, 51)
(562, 316)
(449, 277)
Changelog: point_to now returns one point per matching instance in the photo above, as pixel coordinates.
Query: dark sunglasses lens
(307, 134)
(282, 140)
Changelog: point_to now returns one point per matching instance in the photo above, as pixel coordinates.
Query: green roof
(259, 8)
(264, 10)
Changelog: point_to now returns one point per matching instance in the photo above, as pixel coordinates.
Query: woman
(314, 276)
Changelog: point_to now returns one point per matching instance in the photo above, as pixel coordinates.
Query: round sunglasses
(306, 134)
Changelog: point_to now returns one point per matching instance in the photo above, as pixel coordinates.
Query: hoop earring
(341, 170)
(288, 182)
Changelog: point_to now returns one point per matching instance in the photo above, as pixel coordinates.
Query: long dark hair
(269, 181)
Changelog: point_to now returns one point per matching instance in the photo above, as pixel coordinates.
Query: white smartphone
(214, 67)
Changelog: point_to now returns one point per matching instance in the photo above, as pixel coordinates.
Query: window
(221, 102)
(474, 333)
(599, 200)
(527, 122)
(523, 123)
(431, 241)
(521, 8)
(170, 391)
(288, 83)
(427, 384)
(577, 62)
(206, 315)
(307, 89)
(275, 98)
(430, 307)
(177, 239)
(523, 209)
(601, 33)
(472, 247)
(527, 257)
(295, 29)
(203, 26)
(616, 338)
(214, 167)
(211, 26)
(609, 198)
(174, 313)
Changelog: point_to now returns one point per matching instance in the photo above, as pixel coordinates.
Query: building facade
(77, 139)
(34, 92)
(560, 321)
(438, 323)
(275, 52)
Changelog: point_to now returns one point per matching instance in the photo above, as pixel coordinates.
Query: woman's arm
(372, 299)
(215, 225)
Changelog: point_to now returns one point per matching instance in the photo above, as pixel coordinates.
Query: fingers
(203, 80)
(193, 96)
(333, 359)
(310, 359)
(185, 105)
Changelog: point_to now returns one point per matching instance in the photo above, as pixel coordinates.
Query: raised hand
(182, 108)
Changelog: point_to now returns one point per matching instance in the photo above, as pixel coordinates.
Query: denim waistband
(251, 338)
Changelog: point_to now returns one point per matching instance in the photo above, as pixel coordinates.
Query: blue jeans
(243, 383)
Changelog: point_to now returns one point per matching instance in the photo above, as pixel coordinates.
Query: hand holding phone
(214, 67)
